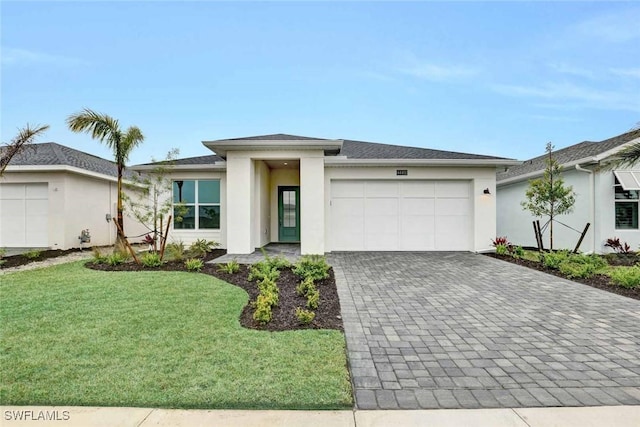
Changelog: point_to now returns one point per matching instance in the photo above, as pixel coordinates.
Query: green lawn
(74, 336)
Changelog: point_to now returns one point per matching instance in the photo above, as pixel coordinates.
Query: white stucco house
(335, 195)
(49, 193)
(607, 199)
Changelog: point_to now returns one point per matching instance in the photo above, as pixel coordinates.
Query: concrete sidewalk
(602, 416)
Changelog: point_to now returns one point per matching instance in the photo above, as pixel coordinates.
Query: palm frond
(25, 136)
(130, 140)
(100, 126)
(628, 156)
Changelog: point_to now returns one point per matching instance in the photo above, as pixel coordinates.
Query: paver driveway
(461, 330)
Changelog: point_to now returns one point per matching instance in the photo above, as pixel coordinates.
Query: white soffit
(630, 180)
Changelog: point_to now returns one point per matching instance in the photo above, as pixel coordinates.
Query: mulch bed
(327, 314)
(599, 281)
(18, 260)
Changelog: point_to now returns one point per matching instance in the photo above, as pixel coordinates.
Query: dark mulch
(327, 314)
(599, 281)
(17, 260)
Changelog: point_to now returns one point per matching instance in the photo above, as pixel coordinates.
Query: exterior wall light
(486, 191)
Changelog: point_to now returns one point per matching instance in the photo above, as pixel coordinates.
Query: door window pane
(289, 208)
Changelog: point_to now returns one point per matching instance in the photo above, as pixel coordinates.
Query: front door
(289, 214)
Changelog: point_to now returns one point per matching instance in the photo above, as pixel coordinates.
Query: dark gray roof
(50, 153)
(274, 137)
(569, 154)
(199, 160)
(373, 150)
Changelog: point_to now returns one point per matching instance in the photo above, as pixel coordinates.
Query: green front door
(289, 214)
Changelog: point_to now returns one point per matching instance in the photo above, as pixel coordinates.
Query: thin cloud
(13, 56)
(571, 94)
(440, 73)
(626, 72)
(615, 27)
(573, 70)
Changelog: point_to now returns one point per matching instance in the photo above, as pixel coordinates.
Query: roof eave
(59, 168)
(539, 172)
(221, 147)
(341, 161)
(198, 167)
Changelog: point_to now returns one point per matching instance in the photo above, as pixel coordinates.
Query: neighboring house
(49, 193)
(607, 199)
(335, 195)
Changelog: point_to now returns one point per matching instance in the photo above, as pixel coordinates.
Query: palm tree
(628, 156)
(107, 130)
(25, 136)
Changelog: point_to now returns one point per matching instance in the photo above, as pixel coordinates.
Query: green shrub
(553, 260)
(262, 270)
(313, 266)
(201, 247)
(518, 252)
(176, 251)
(231, 267)
(501, 249)
(278, 262)
(626, 277)
(32, 254)
(115, 258)
(151, 259)
(576, 269)
(304, 316)
(98, 257)
(304, 286)
(262, 311)
(313, 298)
(194, 264)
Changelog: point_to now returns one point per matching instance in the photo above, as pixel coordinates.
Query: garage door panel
(347, 189)
(418, 207)
(405, 215)
(24, 215)
(381, 189)
(451, 206)
(36, 208)
(37, 191)
(417, 189)
(447, 189)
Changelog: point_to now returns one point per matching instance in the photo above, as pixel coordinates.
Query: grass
(74, 336)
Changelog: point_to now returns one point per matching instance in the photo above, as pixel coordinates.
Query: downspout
(593, 205)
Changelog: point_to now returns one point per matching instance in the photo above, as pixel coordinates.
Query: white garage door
(400, 216)
(24, 215)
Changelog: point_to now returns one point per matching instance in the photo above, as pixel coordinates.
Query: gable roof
(52, 154)
(586, 150)
(375, 150)
(276, 137)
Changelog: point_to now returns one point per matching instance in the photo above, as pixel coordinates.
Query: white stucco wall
(516, 224)
(484, 206)
(261, 235)
(77, 202)
(312, 231)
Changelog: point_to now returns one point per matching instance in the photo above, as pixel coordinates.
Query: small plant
(115, 258)
(518, 252)
(626, 277)
(98, 257)
(194, 264)
(33, 254)
(304, 286)
(576, 270)
(304, 316)
(500, 241)
(232, 267)
(262, 270)
(278, 262)
(553, 260)
(618, 246)
(151, 259)
(313, 298)
(313, 266)
(502, 249)
(176, 250)
(262, 313)
(202, 247)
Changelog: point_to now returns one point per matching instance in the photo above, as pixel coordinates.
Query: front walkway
(461, 330)
(290, 251)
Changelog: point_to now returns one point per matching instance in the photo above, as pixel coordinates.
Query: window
(626, 207)
(201, 201)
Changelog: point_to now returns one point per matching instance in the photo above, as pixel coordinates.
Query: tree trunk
(120, 245)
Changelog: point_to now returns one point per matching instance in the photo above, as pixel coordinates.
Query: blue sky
(499, 78)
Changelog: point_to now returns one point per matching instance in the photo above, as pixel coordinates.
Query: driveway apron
(461, 330)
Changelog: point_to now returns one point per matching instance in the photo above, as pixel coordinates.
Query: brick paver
(462, 330)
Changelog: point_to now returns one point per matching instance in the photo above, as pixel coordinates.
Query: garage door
(24, 215)
(400, 216)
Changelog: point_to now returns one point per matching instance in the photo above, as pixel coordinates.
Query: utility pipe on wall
(593, 205)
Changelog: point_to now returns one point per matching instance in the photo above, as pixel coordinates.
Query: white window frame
(636, 200)
(196, 205)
